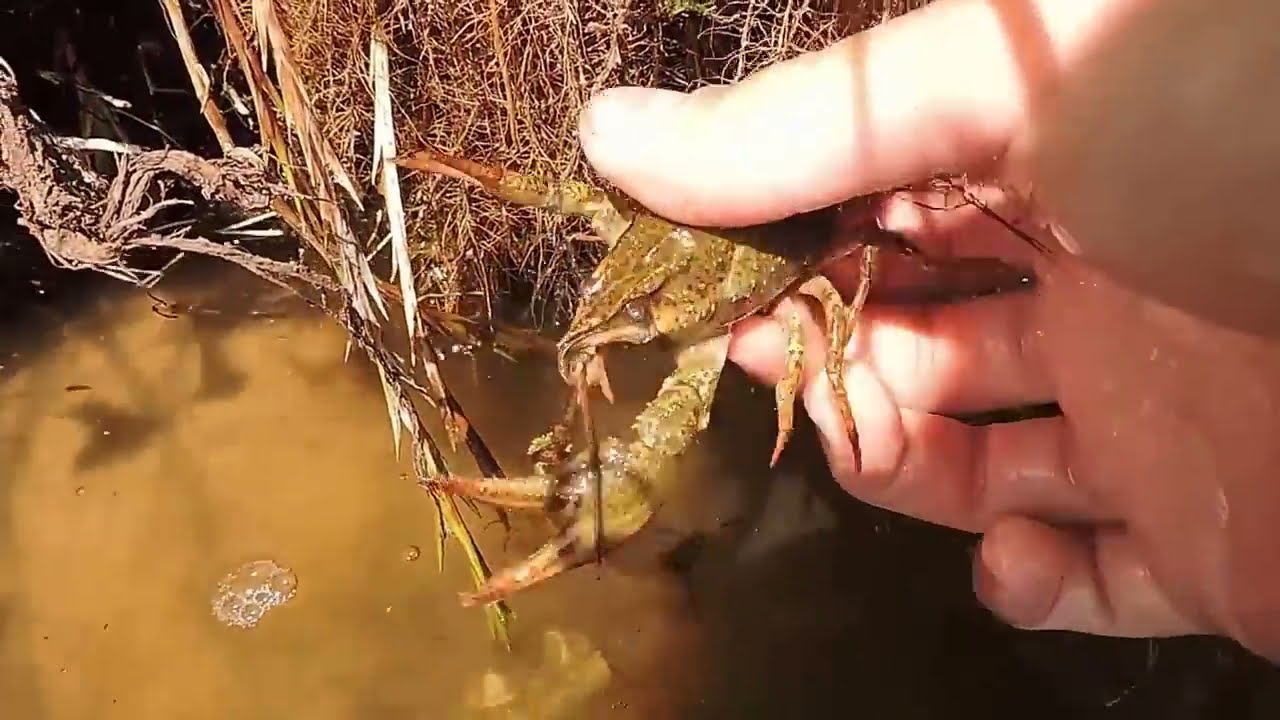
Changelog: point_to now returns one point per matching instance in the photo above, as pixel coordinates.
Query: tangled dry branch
(83, 220)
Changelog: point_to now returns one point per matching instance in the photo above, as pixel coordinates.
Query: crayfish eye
(637, 311)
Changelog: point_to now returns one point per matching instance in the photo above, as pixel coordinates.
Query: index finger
(941, 89)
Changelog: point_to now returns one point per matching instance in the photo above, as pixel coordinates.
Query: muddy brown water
(142, 458)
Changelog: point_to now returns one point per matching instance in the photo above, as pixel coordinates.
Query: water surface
(144, 458)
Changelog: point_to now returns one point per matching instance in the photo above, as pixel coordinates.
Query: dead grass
(503, 82)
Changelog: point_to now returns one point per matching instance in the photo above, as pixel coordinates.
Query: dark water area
(144, 457)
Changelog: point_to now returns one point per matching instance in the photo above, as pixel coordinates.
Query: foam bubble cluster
(249, 592)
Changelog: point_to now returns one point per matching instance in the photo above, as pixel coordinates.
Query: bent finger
(954, 359)
(947, 472)
(1035, 576)
(972, 240)
(927, 465)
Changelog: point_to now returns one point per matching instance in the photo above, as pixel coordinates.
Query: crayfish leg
(785, 390)
(563, 552)
(555, 445)
(842, 324)
(597, 377)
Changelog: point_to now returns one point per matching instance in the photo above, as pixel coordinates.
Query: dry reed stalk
(321, 213)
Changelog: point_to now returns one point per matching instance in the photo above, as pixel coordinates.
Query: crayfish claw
(565, 551)
(529, 492)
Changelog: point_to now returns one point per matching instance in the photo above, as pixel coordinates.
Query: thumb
(1038, 577)
(939, 89)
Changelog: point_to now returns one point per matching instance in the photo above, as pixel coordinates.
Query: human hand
(1146, 508)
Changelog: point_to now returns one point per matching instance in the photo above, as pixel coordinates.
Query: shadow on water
(145, 456)
(826, 607)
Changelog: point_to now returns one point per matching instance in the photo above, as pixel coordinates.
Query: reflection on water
(571, 670)
(143, 458)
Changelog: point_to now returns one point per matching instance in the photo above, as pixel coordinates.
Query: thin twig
(199, 78)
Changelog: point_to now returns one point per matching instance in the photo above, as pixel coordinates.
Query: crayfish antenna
(581, 386)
